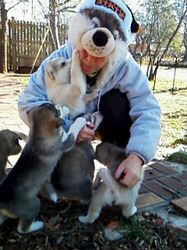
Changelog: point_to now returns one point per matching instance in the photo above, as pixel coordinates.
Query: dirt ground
(110, 231)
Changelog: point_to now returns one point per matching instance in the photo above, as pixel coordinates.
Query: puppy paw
(75, 58)
(91, 96)
(95, 93)
(134, 210)
(80, 122)
(84, 219)
(129, 212)
(54, 197)
(58, 107)
(75, 53)
(35, 226)
(63, 110)
(76, 127)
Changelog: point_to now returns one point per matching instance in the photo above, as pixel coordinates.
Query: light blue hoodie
(129, 79)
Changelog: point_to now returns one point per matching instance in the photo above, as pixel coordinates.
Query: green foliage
(159, 21)
(134, 229)
(177, 46)
(178, 157)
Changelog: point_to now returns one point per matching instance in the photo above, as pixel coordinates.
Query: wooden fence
(28, 44)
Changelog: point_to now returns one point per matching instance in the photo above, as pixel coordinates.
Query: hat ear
(135, 27)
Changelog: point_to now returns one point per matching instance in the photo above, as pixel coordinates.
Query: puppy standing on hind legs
(45, 144)
(110, 191)
(64, 88)
(72, 178)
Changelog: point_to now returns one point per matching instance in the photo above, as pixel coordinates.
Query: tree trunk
(185, 55)
(185, 40)
(3, 44)
(52, 17)
(169, 42)
(136, 46)
(152, 74)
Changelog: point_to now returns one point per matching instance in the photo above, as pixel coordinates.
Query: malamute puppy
(66, 84)
(73, 176)
(45, 145)
(9, 145)
(110, 191)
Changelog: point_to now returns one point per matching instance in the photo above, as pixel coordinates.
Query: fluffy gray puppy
(110, 191)
(9, 145)
(45, 145)
(73, 176)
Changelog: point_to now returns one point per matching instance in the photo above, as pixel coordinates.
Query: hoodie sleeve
(35, 93)
(144, 112)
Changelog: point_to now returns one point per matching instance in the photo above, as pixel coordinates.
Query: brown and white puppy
(110, 191)
(45, 145)
(73, 176)
(9, 145)
(66, 84)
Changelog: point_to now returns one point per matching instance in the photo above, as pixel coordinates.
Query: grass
(174, 115)
(136, 230)
(178, 157)
(166, 84)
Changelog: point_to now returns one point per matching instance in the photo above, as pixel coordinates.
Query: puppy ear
(29, 111)
(15, 140)
(50, 73)
(59, 122)
(21, 136)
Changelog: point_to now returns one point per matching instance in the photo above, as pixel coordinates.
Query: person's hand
(129, 171)
(86, 133)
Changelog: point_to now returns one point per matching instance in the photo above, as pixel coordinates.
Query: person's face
(89, 63)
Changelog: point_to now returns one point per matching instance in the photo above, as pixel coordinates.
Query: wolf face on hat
(103, 28)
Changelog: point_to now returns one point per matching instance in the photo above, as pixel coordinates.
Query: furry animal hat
(103, 28)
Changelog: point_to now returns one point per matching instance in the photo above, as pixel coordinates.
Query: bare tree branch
(14, 5)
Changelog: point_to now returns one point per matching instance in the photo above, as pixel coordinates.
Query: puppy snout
(100, 39)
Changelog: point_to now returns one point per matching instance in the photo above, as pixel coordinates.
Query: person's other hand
(129, 171)
(86, 133)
